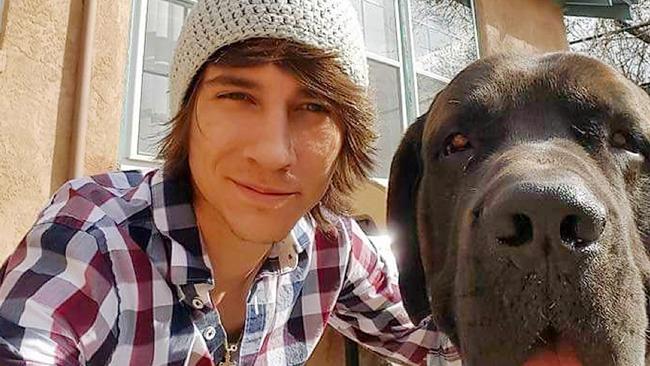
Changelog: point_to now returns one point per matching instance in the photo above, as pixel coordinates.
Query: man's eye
(455, 143)
(315, 107)
(234, 96)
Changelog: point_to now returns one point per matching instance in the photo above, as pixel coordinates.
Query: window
(379, 22)
(380, 30)
(444, 43)
(385, 80)
(428, 86)
(156, 27)
(164, 21)
(624, 44)
(2, 17)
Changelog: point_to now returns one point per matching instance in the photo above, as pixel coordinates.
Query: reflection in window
(154, 111)
(164, 22)
(384, 85)
(443, 36)
(378, 19)
(428, 87)
(623, 44)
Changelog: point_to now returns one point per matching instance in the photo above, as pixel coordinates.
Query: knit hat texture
(326, 24)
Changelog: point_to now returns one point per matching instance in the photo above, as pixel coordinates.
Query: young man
(237, 250)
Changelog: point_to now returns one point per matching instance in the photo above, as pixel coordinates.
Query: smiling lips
(261, 194)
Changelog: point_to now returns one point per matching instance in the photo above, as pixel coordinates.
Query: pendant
(228, 357)
(227, 362)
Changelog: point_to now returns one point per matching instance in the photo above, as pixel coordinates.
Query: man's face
(262, 149)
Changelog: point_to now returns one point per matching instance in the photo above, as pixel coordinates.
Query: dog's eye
(622, 140)
(455, 143)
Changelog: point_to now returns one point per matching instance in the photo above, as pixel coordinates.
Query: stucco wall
(107, 85)
(41, 43)
(370, 200)
(32, 94)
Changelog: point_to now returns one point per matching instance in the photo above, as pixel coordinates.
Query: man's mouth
(263, 194)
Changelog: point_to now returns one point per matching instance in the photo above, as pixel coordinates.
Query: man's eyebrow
(229, 80)
(308, 93)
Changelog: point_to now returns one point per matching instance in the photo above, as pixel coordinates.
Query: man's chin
(262, 233)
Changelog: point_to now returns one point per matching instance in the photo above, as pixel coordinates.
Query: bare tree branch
(624, 27)
(636, 30)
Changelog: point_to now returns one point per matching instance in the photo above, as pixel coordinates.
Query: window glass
(624, 44)
(428, 87)
(378, 19)
(384, 86)
(2, 10)
(164, 22)
(443, 36)
(154, 111)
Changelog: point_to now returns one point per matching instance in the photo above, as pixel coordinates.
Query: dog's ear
(405, 172)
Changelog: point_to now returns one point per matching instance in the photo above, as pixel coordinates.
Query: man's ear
(405, 173)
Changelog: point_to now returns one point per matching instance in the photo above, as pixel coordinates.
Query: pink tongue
(561, 355)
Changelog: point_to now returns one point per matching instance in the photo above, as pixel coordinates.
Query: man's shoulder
(79, 226)
(344, 230)
(109, 198)
(364, 239)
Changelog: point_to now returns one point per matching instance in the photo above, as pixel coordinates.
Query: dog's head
(521, 199)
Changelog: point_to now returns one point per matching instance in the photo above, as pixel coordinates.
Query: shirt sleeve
(51, 290)
(370, 310)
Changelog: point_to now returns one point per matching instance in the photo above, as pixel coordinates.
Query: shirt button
(209, 333)
(197, 303)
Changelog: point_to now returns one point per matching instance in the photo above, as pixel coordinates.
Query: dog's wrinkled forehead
(501, 84)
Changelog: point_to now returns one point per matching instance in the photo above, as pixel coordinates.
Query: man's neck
(233, 259)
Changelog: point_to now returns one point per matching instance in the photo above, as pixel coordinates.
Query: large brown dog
(521, 200)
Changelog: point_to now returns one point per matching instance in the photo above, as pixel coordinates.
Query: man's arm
(21, 346)
(370, 310)
(51, 290)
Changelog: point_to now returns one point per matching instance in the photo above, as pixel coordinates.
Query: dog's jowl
(520, 201)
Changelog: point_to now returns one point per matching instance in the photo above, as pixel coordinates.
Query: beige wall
(370, 200)
(529, 26)
(41, 43)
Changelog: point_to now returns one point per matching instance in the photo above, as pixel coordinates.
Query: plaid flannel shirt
(113, 272)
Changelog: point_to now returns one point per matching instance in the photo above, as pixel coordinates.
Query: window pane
(443, 32)
(384, 85)
(164, 21)
(427, 89)
(622, 44)
(154, 109)
(378, 19)
(357, 6)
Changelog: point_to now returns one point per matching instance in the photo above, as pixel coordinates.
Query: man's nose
(271, 145)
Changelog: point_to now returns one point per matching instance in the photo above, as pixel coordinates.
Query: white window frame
(2, 12)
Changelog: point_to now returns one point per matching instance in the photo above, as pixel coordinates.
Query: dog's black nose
(566, 213)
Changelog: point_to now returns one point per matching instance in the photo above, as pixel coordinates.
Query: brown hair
(318, 71)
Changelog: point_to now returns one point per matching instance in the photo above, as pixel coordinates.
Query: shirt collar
(284, 255)
(173, 216)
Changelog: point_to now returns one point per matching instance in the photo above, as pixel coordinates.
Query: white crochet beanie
(212, 24)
